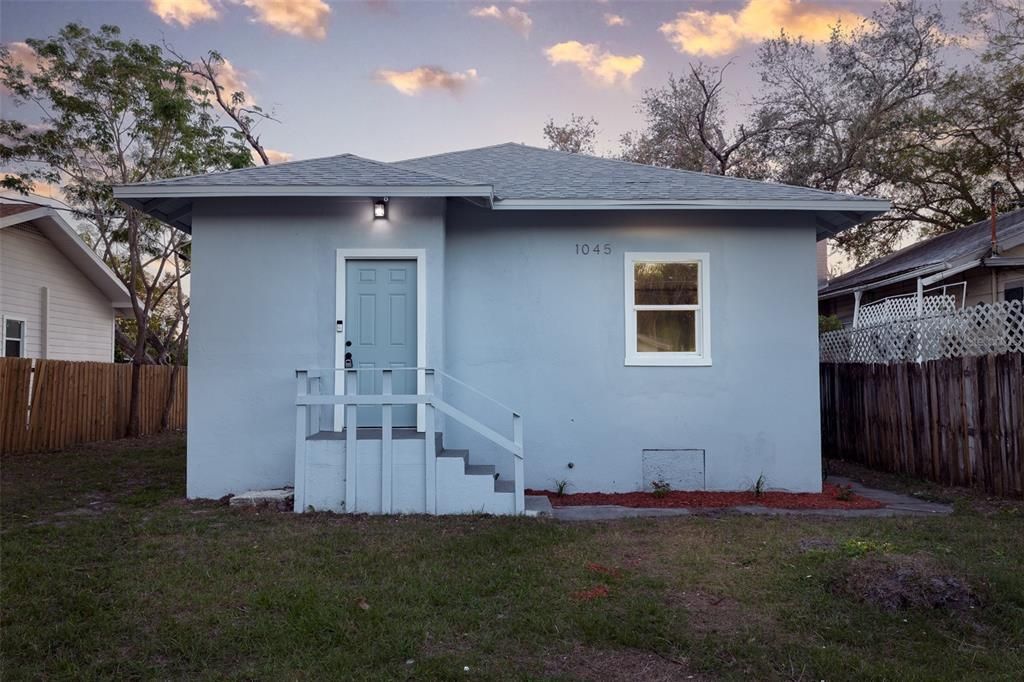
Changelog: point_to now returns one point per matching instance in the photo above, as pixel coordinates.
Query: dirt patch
(618, 665)
(898, 582)
(710, 613)
(816, 545)
(831, 497)
(591, 593)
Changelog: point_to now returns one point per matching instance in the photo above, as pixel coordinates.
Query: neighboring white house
(57, 298)
(495, 319)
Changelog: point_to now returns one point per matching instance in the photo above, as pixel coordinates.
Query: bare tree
(686, 127)
(246, 116)
(578, 135)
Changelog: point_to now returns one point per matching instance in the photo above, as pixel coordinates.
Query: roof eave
(158, 200)
(827, 293)
(859, 206)
(144, 192)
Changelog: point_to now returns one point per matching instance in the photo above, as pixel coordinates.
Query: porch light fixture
(380, 209)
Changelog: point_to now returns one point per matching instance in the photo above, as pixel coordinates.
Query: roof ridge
(417, 171)
(459, 151)
(693, 172)
(228, 171)
(607, 159)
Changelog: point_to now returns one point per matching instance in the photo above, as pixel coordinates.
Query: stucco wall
(263, 290)
(542, 329)
(524, 319)
(77, 323)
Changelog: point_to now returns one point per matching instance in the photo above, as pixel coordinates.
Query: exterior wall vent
(682, 469)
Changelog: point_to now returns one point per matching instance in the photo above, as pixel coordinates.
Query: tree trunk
(135, 400)
(172, 384)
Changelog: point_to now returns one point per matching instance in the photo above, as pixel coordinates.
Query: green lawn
(107, 572)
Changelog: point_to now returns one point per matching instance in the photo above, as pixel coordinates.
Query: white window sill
(667, 360)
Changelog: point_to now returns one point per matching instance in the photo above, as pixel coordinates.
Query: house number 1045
(593, 249)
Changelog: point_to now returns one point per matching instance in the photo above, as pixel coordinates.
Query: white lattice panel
(904, 308)
(978, 330)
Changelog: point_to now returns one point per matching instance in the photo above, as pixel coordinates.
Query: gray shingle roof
(509, 176)
(521, 172)
(344, 170)
(961, 245)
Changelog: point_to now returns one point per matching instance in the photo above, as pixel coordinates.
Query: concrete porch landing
(895, 505)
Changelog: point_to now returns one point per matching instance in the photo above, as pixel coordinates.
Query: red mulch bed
(827, 499)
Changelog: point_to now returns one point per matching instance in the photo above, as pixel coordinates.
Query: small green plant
(856, 547)
(829, 323)
(844, 493)
(759, 486)
(661, 488)
(560, 487)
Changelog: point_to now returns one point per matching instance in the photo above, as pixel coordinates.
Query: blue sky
(390, 80)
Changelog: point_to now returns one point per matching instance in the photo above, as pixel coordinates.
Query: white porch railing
(935, 301)
(309, 398)
(976, 330)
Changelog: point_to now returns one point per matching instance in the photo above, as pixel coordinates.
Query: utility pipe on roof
(993, 216)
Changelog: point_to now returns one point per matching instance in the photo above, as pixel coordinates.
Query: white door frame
(345, 255)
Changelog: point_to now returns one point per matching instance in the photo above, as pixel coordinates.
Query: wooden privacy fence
(956, 421)
(49, 404)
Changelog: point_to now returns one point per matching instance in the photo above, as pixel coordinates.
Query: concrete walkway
(895, 505)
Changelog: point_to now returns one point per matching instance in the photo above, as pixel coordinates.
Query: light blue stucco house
(497, 319)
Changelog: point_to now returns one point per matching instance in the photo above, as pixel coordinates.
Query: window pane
(13, 330)
(666, 331)
(1015, 293)
(12, 349)
(665, 283)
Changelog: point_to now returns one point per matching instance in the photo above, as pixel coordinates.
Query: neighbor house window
(667, 313)
(14, 337)
(1014, 291)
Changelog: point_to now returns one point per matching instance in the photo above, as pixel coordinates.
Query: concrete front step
(464, 454)
(504, 486)
(538, 505)
(480, 470)
(280, 497)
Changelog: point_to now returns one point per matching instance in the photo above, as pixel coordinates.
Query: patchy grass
(108, 573)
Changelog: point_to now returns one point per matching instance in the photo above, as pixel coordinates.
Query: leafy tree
(851, 116)
(977, 123)
(686, 128)
(578, 135)
(112, 111)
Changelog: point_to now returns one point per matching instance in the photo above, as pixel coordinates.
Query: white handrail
(308, 395)
(474, 390)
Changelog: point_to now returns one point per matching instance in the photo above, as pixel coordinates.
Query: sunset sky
(390, 80)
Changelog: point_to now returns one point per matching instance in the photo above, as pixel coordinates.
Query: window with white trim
(13, 337)
(668, 320)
